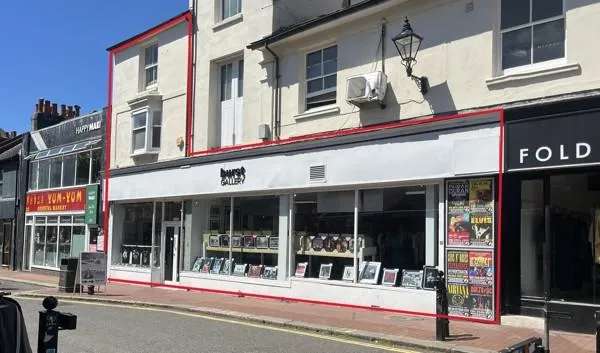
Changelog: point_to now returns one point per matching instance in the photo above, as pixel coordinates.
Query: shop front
(61, 206)
(322, 221)
(552, 233)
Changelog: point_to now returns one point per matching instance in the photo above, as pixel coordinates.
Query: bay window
(145, 131)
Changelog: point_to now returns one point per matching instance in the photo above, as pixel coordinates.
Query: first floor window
(146, 131)
(33, 176)
(321, 77)
(532, 31)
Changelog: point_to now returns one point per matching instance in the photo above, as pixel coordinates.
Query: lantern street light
(408, 44)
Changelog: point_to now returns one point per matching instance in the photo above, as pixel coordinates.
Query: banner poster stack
(470, 248)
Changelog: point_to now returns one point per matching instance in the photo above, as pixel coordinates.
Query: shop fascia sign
(56, 200)
(553, 142)
(88, 127)
(234, 176)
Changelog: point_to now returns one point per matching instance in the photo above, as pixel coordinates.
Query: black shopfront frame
(560, 133)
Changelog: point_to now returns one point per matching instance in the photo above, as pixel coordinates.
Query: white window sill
(324, 110)
(237, 279)
(144, 153)
(348, 284)
(534, 72)
(129, 268)
(228, 21)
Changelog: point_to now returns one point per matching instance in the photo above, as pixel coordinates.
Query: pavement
(392, 329)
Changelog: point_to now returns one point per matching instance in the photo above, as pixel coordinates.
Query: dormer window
(151, 65)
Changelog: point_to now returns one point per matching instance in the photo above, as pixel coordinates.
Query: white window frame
(307, 95)
(148, 125)
(531, 66)
(148, 85)
(154, 125)
(222, 10)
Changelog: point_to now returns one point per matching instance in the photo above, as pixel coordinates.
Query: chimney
(40, 105)
(63, 110)
(13, 134)
(54, 109)
(46, 107)
(77, 110)
(69, 111)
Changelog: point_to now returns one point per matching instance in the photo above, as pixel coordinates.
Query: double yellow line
(242, 323)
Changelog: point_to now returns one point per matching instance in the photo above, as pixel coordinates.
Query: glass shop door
(171, 232)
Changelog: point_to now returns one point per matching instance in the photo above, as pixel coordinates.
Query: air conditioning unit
(366, 88)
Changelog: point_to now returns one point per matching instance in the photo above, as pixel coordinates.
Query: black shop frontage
(551, 235)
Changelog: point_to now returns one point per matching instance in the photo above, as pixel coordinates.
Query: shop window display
(323, 233)
(137, 235)
(55, 238)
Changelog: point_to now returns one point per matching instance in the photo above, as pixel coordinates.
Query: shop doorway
(559, 247)
(5, 242)
(171, 232)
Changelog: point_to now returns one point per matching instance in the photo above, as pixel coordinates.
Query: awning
(58, 151)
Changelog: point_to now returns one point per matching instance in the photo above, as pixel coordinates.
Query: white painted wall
(172, 78)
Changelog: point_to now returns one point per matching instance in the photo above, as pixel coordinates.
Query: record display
(240, 270)
(249, 241)
(301, 269)
(390, 277)
(270, 272)
(214, 241)
(236, 241)
(207, 265)
(325, 271)
(370, 272)
(348, 274)
(217, 265)
(412, 278)
(198, 264)
(227, 266)
(274, 242)
(262, 242)
(255, 271)
(317, 243)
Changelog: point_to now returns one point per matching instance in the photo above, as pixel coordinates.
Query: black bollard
(50, 323)
(442, 324)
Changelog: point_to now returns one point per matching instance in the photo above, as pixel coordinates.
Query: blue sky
(56, 49)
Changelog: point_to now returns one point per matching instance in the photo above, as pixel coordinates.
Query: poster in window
(459, 228)
(481, 196)
(470, 283)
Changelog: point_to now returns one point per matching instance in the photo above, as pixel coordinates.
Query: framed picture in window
(274, 242)
(390, 277)
(240, 270)
(270, 272)
(325, 271)
(348, 274)
(430, 274)
(370, 272)
(255, 271)
(412, 278)
(227, 266)
(207, 265)
(213, 241)
(329, 243)
(236, 241)
(249, 241)
(224, 240)
(262, 242)
(316, 243)
(198, 264)
(301, 269)
(217, 265)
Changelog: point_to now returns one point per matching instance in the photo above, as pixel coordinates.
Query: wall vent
(317, 173)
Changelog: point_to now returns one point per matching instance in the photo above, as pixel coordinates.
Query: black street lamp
(408, 44)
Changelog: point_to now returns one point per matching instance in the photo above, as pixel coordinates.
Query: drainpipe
(277, 118)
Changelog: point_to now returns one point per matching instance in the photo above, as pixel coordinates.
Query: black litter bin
(68, 271)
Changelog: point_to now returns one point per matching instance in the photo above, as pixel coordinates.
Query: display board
(470, 262)
(92, 269)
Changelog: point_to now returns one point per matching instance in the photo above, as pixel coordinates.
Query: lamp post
(408, 44)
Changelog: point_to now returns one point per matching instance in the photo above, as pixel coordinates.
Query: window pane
(83, 168)
(139, 139)
(69, 170)
(314, 85)
(516, 48)
(33, 175)
(39, 244)
(51, 246)
(139, 120)
(226, 81)
(55, 172)
(151, 55)
(225, 6)
(96, 163)
(329, 67)
(137, 235)
(330, 81)
(234, 7)
(320, 100)
(549, 41)
(65, 219)
(313, 64)
(78, 240)
(515, 13)
(64, 242)
(330, 54)
(78, 219)
(240, 92)
(44, 174)
(151, 75)
(546, 8)
(156, 137)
